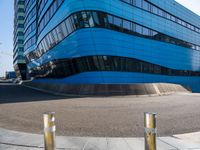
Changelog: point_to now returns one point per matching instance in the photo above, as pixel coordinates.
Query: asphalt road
(21, 109)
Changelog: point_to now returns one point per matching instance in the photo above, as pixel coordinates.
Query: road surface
(21, 109)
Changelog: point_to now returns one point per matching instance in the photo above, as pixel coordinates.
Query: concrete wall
(109, 89)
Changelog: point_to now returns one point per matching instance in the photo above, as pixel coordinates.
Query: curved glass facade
(93, 19)
(67, 67)
(112, 42)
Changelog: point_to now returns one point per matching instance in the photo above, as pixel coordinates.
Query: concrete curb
(20, 140)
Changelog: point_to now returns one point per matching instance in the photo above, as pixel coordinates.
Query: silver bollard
(49, 131)
(150, 130)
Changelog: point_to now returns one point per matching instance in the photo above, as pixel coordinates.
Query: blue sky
(6, 30)
(6, 35)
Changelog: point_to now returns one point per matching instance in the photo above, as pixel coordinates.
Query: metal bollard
(49, 131)
(150, 130)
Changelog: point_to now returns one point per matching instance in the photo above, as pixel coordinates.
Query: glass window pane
(110, 19)
(69, 27)
(160, 12)
(55, 36)
(179, 21)
(183, 23)
(59, 33)
(138, 29)
(155, 10)
(145, 31)
(133, 27)
(126, 25)
(51, 39)
(77, 20)
(164, 14)
(48, 41)
(64, 29)
(127, 1)
(173, 18)
(85, 19)
(91, 21)
(138, 3)
(145, 5)
(96, 18)
(117, 21)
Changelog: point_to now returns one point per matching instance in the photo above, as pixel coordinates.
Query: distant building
(112, 42)
(18, 57)
(10, 75)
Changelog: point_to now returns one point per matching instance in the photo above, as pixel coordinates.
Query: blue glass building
(112, 42)
(19, 62)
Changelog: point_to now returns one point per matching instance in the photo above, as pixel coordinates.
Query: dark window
(90, 20)
(96, 18)
(85, 20)
(67, 67)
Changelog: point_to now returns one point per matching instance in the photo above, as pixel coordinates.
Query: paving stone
(96, 144)
(135, 143)
(71, 142)
(117, 144)
(179, 144)
(12, 140)
(12, 147)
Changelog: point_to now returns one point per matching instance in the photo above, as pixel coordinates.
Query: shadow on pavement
(14, 93)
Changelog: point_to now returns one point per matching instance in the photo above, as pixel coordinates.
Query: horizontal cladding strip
(28, 5)
(41, 6)
(48, 15)
(97, 19)
(62, 68)
(152, 8)
(30, 29)
(30, 15)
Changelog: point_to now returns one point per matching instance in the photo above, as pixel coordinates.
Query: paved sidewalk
(12, 140)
